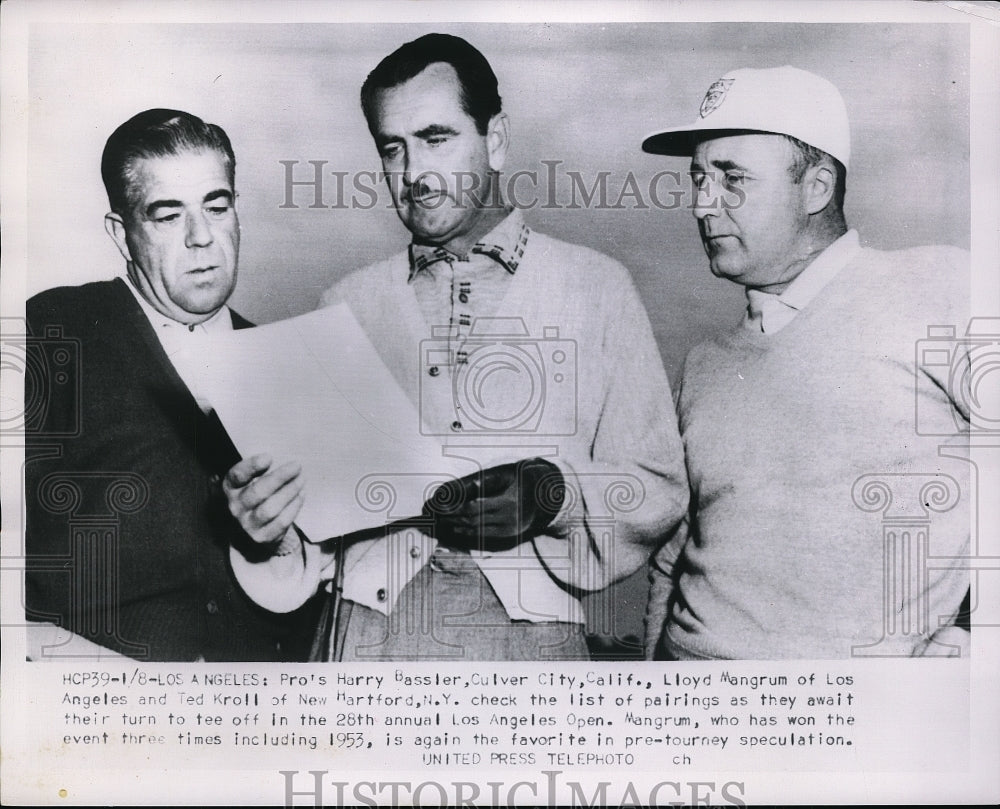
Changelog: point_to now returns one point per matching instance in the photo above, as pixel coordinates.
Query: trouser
(448, 611)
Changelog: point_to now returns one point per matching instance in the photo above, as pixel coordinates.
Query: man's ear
(497, 140)
(819, 185)
(115, 226)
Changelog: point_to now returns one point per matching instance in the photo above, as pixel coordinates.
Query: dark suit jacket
(126, 527)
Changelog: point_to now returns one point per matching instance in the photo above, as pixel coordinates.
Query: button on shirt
(770, 313)
(454, 291)
(175, 336)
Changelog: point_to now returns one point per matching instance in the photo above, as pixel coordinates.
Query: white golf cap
(778, 100)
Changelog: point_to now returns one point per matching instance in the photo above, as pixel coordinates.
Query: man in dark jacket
(127, 536)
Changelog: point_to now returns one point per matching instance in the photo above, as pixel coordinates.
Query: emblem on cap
(715, 96)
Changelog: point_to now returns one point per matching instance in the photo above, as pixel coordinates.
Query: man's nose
(707, 197)
(198, 232)
(411, 172)
(418, 169)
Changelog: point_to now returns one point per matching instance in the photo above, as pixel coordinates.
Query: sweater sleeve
(661, 585)
(630, 490)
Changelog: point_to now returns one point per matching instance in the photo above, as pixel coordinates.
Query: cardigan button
(463, 297)
(381, 594)
(212, 608)
(433, 370)
(456, 426)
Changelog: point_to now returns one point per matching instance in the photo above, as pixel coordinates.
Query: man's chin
(205, 302)
(428, 233)
(723, 266)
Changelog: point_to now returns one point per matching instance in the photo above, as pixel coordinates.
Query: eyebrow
(435, 129)
(219, 193)
(722, 165)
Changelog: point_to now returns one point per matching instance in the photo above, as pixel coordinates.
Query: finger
(264, 486)
(278, 527)
(271, 507)
(244, 503)
(246, 470)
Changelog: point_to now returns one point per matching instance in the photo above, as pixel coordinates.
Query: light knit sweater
(783, 561)
(612, 432)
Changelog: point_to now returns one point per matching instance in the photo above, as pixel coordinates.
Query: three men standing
(784, 418)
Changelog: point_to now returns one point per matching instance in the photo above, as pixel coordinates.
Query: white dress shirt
(175, 336)
(770, 313)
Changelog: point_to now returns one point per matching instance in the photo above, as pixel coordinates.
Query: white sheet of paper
(313, 389)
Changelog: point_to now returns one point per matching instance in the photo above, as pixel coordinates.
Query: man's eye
(735, 178)
(390, 151)
(702, 180)
(167, 218)
(436, 140)
(218, 210)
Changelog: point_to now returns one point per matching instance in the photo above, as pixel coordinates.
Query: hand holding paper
(313, 389)
(263, 498)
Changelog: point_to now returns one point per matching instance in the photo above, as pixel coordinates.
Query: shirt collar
(770, 312)
(220, 321)
(504, 244)
(820, 272)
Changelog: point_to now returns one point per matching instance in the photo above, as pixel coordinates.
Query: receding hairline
(446, 69)
(134, 169)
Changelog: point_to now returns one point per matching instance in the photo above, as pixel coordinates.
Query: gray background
(584, 95)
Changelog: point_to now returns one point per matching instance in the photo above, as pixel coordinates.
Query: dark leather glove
(498, 507)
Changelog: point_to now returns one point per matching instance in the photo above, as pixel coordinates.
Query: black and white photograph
(492, 404)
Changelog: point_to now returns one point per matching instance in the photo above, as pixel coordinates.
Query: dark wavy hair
(156, 133)
(479, 97)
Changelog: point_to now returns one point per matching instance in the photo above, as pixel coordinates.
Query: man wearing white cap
(786, 416)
